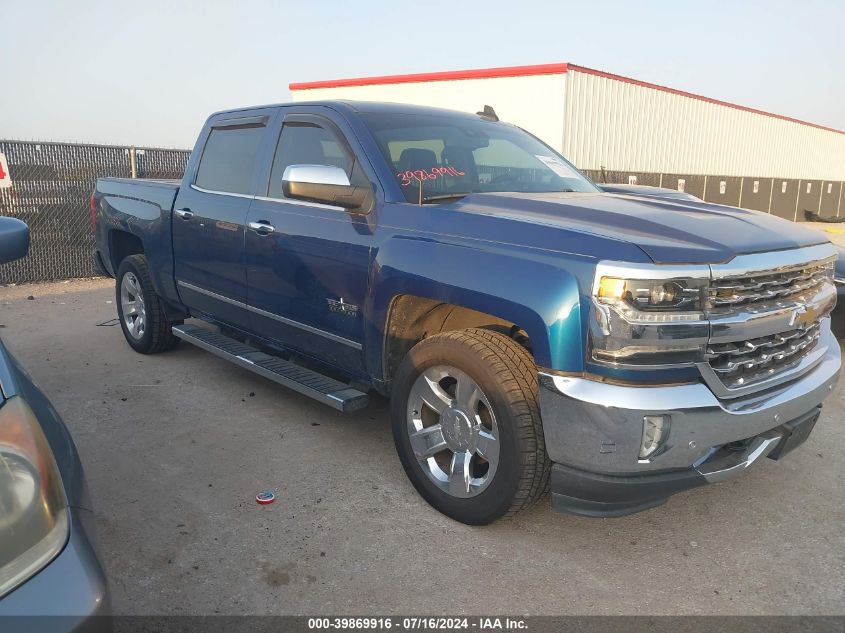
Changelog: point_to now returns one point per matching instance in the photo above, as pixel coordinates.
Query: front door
(307, 263)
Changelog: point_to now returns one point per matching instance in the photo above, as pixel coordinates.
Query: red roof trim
(525, 71)
(449, 75)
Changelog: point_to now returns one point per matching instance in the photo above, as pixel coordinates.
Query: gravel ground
(177, 445)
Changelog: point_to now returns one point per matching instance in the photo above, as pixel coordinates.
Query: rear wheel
(467, 427)
(139, 309)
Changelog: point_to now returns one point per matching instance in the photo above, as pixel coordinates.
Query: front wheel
(142, 317)
(467, 426)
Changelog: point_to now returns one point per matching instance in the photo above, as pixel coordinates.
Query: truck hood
(668, 231)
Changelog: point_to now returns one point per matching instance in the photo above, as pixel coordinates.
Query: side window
(307, 144)
(228, 159)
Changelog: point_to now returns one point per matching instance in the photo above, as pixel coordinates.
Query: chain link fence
(51, 185)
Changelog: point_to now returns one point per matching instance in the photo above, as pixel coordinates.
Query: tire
(146, 329)
(476, 490)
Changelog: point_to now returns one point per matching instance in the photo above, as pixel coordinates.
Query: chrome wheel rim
(132, 306)
(453, 431)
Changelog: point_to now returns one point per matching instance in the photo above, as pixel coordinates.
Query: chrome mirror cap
(325, 184)
(316, 175)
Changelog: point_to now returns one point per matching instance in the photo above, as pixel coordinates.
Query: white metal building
(637, 131)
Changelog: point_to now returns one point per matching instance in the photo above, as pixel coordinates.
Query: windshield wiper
(443, 196)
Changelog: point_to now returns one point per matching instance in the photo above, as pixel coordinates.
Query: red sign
(5, 180)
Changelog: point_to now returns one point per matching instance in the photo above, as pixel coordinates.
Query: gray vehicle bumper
(593, 432)
(69, 594)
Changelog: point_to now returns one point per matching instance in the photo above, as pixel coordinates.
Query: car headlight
(649, 315)
(33, 508)
(682, 298)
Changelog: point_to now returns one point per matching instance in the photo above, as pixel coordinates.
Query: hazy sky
(148, 73)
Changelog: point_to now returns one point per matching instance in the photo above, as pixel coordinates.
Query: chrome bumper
(597, 427)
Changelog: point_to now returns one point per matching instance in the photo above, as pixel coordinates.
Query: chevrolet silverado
(532, 331)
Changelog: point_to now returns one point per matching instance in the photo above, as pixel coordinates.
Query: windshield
(438, 156)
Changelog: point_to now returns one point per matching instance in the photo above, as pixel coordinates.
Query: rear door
(308, 273)
(210, 215)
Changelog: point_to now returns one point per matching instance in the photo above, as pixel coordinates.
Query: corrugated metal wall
(617, 130)
(625, 126)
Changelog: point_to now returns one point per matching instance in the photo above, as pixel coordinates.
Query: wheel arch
(412, 318)
(418, 284)
(122, 244)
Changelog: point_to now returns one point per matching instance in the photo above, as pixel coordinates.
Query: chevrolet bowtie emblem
(804, 316)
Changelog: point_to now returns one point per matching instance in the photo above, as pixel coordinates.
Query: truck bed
(131, 212)
(159, 192)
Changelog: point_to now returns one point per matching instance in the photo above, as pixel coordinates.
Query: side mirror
(323, 183)
(14, 239)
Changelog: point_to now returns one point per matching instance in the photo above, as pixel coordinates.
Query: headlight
(33, 509)
(655, 295)
(648, 315)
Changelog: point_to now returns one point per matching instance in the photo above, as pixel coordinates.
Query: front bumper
(593, 431)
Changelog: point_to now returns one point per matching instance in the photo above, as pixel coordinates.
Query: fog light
(655, 432)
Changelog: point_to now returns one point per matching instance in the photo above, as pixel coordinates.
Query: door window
(302, 143)
(228, 159)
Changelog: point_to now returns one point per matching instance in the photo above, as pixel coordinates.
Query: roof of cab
(361, 107)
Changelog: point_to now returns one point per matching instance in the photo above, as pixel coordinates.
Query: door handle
(262, 227)
(185, 214)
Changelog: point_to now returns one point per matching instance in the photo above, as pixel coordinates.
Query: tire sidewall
(144, 343)
(495, 500)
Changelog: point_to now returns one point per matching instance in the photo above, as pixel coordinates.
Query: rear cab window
(230, 155)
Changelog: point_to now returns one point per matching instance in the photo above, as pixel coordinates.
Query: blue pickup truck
(531, 331)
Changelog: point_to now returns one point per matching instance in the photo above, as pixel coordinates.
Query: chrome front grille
(765, 322)
(768, 286)
(746, 362)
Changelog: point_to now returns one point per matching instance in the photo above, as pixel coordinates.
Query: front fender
(535, 290)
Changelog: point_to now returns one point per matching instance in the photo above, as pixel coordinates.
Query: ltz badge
(341, 307)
